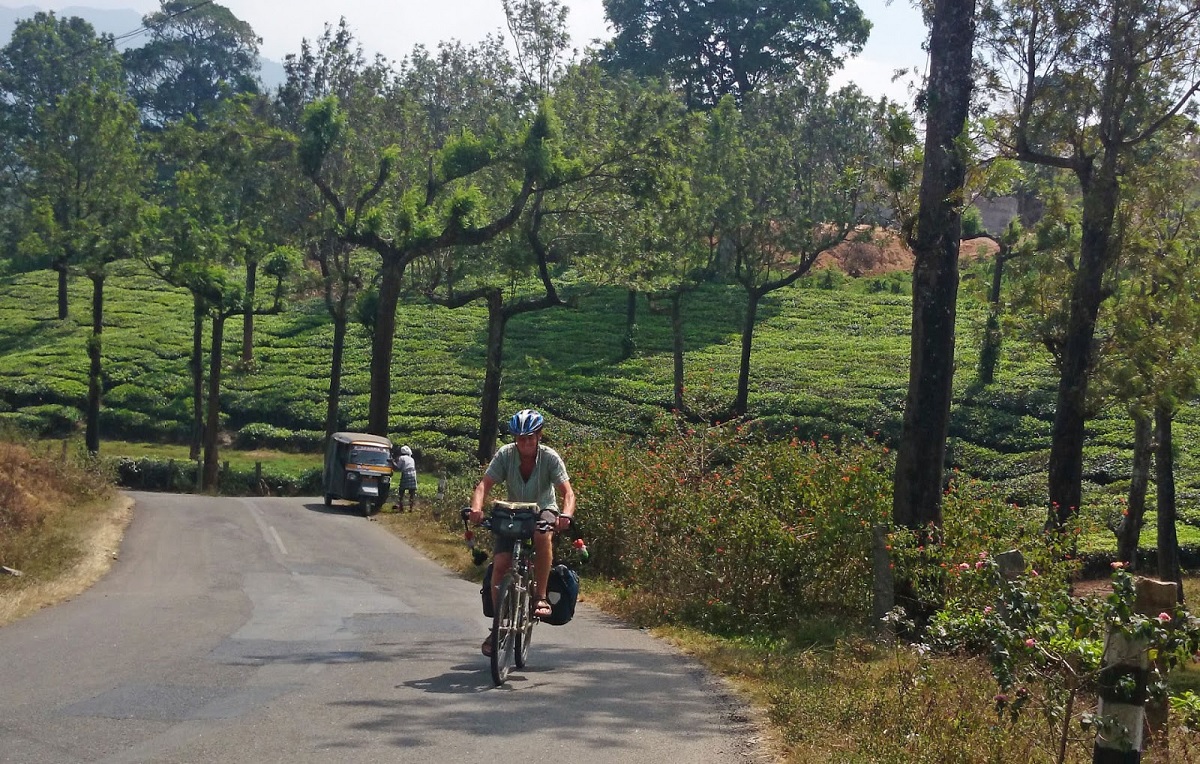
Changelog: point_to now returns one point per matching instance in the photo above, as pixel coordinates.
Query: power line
(146, 28)
(103, 42)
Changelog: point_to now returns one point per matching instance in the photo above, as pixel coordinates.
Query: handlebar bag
(518, 523)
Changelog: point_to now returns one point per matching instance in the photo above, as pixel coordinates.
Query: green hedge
(180, 477)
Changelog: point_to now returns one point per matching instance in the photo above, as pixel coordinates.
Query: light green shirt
(548, 471)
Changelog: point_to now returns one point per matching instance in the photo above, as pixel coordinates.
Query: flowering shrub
(726, 529)
(729, 531)
(1046, 646)
(945, 564)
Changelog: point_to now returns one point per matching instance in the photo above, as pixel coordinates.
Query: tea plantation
(830, 358)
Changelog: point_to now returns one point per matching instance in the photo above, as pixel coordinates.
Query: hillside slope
(830, 357)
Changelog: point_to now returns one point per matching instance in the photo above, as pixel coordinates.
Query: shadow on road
(608, 689)
(354, 509)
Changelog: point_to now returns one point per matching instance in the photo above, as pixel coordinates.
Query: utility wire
(103, 42)
(146, 28)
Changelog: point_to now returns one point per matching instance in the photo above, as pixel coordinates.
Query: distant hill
(117, 22)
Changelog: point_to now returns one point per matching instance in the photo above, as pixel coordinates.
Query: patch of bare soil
(869, 252)
(1092, 587)
(878, 251)
(978, 248)
(100, 550)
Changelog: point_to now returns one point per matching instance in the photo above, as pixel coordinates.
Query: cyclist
(530, 472)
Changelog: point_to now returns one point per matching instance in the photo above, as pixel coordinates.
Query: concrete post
(1124, 674)
(883, 592)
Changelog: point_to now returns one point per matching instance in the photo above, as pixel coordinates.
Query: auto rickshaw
(358, 468)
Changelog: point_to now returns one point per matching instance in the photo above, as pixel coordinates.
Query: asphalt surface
(264, 630)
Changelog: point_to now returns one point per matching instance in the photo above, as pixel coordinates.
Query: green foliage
(196, 57)
(698, 47)
(258, 435)
(828, 361)
(366, 310)
(1045, 647)
(463, 155)
(323, 125)
(972, 222)
(731, 532)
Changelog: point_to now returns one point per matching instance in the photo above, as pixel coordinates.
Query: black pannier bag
(562, 593)
(489, 606)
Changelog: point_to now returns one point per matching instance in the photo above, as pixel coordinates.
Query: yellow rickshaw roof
(361, 437)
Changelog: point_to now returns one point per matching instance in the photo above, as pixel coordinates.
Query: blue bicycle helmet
(526, 422)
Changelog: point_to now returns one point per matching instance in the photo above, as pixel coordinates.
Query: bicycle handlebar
(542, 524)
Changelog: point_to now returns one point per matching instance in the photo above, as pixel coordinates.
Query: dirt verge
(103, 544)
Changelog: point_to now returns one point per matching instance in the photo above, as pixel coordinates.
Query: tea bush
(259, 435)
(830, 357)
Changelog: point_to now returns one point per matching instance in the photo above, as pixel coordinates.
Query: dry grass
(60, 525)
(827, 695)
(103, 528)
(432, 537)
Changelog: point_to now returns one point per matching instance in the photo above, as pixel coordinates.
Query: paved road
(276, 630)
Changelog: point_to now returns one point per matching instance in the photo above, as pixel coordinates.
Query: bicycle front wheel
(524, 632)
(505, 625)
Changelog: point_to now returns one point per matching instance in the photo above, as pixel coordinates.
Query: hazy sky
(392, 27)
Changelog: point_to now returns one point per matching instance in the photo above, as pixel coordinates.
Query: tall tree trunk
(248, 311)
(629, 342)
(1129, 531)
(989, 354)
(197, 365)
(489, 404)
(1164, 473)
(94, 378)
(742, 399)
(335, 372)
(677, 347)
(1076, 357)
(212, 429)
(998, 274)
(726, 257)
(381, 346)
(61, 268)
(920, 463)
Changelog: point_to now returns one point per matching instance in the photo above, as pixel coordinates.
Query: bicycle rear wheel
(504, 631)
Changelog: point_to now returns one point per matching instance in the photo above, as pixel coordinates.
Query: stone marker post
(883, 591)
(1124, 672)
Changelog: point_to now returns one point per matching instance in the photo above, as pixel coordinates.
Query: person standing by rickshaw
(404, 464)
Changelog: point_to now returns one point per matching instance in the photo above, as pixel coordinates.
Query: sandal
(542, 609)
(486, 647)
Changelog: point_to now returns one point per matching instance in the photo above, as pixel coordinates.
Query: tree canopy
(198, 55)
(714, 48)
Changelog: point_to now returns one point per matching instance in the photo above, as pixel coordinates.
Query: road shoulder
(100, 549)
